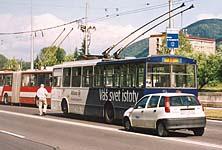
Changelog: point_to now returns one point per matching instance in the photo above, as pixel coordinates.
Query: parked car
(166, 111)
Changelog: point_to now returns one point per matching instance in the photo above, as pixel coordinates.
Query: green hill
(208, 28)
(137, 49)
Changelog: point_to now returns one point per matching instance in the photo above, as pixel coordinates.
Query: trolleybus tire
(36, 101)
(5, 99)
(108, 113)
(64, 106)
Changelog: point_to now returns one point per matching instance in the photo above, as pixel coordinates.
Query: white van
(166, 111)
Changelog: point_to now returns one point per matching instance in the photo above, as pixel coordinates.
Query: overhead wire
(43, 29)
(99, 18)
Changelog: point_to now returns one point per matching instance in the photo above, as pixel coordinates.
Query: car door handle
(141, 111)
(154, 110)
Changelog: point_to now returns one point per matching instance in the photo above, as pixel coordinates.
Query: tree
(3, 61)
(209, 68)
(12, 64)
(50, 56)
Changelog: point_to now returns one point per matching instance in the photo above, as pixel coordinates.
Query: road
(22, 128)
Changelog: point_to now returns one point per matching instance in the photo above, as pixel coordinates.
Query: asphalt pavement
(22, 128)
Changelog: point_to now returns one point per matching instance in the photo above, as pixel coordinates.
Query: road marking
(205, 144)
(13, 134)
(215, 121)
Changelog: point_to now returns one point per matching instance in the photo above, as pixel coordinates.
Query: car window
(162, 102)
(153, 101)
(189, 101)
(176, 101)
(142, 103)
(183, 101)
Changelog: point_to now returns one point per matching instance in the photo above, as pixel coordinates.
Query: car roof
(170, 94)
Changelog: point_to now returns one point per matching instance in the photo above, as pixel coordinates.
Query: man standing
(42, 94)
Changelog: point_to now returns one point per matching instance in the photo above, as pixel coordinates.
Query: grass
(215, 114)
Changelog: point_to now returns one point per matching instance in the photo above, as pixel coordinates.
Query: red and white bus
(20, 87)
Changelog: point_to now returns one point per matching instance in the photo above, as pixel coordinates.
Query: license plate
(187, 112)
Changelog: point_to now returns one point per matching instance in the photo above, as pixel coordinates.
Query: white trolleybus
(106, 88)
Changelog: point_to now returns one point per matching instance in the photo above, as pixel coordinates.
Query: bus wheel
(6, 99)
(36, 101)
(108, 113)
(64, 107)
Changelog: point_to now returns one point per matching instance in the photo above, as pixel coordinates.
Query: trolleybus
(20, 87)
(106, 88)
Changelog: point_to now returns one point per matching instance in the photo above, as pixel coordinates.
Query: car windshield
(184, 101)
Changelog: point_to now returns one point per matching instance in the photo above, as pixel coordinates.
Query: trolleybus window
(87, 77)
(108, 72)
(8, 79)
(57, 77)
(66, 77)
(183, 76)
(76, 77)
(116, 76)
(98, 76)
(43, 78)
(170, 75)
(158, 75)
(1, 80)
(29, 80)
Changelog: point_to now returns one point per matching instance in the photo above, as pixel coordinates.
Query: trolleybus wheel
(5, 99)
(64, 107)
(108, 113)
(36, 101)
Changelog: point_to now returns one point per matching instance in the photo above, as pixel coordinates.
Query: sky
(112, 20)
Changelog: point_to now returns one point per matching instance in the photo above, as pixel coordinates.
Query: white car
(166, 111)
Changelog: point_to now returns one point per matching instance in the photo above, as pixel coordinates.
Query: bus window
(29, 80)
(183, 76)
(124, 75)
(66, 77)
(43, 78)
(140, 73)
(1, 80)
(158, 75)
(76, 76)
(87, 77)
(108, 73)
(99, 76)
(116, 76)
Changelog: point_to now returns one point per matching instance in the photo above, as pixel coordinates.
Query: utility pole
(170, 13)
(86, 29)
(32, 41)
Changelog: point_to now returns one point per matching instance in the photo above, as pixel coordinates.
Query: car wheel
(127, 124)
(198, 131)
(161, 130)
